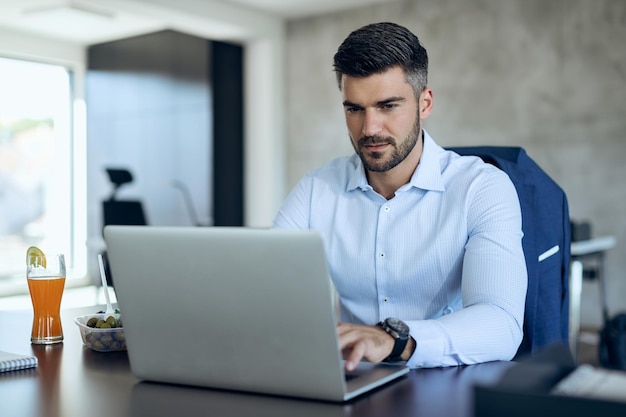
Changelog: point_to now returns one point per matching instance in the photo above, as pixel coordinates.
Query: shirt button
(382, 254)
(386, 208)
(448, 310)
(385, 300)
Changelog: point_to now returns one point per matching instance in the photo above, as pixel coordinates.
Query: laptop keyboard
(350, 377)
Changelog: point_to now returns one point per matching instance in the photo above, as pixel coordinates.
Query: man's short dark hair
(377, 47)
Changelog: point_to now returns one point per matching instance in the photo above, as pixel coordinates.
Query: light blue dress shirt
(444, 254)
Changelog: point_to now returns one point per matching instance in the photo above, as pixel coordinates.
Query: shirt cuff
(430, 345)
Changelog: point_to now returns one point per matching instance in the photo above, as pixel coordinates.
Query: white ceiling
(292, 9)
(72, 21)
(88, 21)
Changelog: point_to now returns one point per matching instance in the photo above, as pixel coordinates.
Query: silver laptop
(233, 308)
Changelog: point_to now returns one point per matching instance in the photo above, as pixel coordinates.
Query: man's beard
(373, 161)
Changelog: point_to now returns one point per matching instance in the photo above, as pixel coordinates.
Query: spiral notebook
(13, 361)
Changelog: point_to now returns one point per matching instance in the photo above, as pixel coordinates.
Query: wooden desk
(72, 381)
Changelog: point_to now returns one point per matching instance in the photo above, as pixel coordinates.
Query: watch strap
(396, 352)
(399, 344)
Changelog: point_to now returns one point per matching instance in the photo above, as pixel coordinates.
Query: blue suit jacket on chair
(546, 244)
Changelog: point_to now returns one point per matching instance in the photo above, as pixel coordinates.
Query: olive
(107, 339)
(98, 345)
(93, 338)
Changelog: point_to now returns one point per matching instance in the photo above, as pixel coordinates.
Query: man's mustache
(376, 140)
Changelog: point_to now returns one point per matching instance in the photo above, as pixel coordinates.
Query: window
(40, 197)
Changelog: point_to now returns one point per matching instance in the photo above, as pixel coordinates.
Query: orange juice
(45, 294)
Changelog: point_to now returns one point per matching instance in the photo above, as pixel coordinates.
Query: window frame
(77, 258)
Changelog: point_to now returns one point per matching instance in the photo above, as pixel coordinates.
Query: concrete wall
(546, 75)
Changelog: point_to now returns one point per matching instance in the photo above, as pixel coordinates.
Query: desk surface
(587, 247)
(73, 381)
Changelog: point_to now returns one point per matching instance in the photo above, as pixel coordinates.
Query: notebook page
(592, 382)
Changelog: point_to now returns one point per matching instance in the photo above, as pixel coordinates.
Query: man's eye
(352, 109)
(389, 106)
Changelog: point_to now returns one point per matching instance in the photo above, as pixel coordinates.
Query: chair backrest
(546, 227)
(123, 212)
(120, 212)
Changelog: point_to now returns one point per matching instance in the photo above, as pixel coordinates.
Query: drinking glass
(46, 280)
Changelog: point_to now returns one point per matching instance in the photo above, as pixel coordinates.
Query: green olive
(98, 345)
(109, 338)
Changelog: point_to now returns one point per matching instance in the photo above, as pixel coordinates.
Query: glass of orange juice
(46, 281)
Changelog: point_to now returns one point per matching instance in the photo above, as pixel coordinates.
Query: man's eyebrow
(378, 103)
(350, 104)
(390, 100)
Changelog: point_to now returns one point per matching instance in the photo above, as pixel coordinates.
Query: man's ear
(426, 103)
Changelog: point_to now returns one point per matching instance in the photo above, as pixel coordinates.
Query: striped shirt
(444, 254)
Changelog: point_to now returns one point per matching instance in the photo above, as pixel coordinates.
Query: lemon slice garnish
(35, 256)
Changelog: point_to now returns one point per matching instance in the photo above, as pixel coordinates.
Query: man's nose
(372, 123)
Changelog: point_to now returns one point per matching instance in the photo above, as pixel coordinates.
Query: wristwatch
(399, 330)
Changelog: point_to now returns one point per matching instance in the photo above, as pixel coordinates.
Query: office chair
(124, 212)
(120, 212)
(546, 224)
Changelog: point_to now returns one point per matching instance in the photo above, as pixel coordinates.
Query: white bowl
(101, 340)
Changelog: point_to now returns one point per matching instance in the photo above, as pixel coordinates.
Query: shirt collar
(427, 176)
(357, 177)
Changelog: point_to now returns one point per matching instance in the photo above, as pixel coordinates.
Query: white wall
(24, 46)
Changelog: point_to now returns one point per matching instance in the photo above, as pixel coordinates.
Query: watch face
(398, 325)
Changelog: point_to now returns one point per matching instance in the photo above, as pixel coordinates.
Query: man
(423, 245)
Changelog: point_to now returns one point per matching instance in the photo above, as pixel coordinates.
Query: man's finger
(348, 335)
(355, 356)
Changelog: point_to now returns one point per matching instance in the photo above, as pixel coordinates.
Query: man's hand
(371, 343)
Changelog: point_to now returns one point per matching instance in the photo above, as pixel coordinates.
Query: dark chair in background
(120, 212)
(546, 227)
(124, 212)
